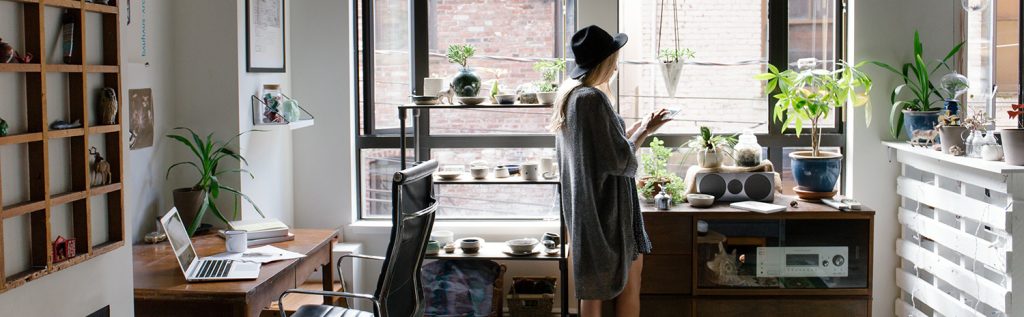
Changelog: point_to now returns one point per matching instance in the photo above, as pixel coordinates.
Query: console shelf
(46, 197)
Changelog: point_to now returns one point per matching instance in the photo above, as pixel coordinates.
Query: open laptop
(199, 270)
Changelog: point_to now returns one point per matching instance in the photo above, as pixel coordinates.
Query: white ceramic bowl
(546, 98)
(472, 101)
(471, 245)
(525, 245)
(700, 200)
(448, 176)
(505, 99)
(443, 237)
(479, 172)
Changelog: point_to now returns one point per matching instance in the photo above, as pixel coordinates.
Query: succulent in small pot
(952, 133)
(1013, 139)
(658, 177)
(466, 83)
(672, 66)
(711, 149)
(811, 95)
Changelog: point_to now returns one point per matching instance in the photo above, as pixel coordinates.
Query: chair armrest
(337, 266)
(280, 299)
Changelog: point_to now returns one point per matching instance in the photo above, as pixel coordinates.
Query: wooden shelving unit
(37, 137)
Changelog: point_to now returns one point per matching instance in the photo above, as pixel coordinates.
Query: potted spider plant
(672, 66)
(1013, 138)
(193, 202)
(466, 83)
(810, 96)
(920, 110)
(711, 149)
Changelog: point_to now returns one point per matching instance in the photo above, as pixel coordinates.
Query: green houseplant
(549, 71)
(810, 96)
(914, 103)
(672, 66)
(193, 202)
(658, 177)
(711, 149)
(466, 83)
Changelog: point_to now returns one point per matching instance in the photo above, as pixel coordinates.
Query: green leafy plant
(917, 82)
(671, 55)
(711, 142)
(460, 53)
(208, 156)
(655, 165)
(549, 71)
(810, 95)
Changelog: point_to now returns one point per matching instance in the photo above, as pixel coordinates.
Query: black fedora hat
(591, 45)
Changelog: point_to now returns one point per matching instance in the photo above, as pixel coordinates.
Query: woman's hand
(655, 120)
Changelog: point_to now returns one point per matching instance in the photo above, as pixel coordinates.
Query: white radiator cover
(957, 217)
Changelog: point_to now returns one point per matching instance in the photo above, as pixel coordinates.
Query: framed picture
(264, 36)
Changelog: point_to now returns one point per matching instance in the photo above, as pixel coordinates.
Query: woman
(597, 161)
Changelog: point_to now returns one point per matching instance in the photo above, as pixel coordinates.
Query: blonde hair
(596, 77)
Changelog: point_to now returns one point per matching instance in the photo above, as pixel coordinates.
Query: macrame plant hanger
(671, 70)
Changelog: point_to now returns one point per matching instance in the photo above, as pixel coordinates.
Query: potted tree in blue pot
(809, 96)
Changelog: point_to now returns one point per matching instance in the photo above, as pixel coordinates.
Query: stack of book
(263, 231)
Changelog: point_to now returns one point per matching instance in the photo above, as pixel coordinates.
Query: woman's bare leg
(590, 308)
(627, 304)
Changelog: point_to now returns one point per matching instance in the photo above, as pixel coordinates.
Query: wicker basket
(498, 305)
(531, 305)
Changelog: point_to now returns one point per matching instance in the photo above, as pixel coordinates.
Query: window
(993, 59)
(733, 40)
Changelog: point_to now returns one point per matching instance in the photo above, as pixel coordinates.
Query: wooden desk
(161, 290)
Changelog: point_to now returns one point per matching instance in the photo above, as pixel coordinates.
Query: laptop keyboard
(214, 268)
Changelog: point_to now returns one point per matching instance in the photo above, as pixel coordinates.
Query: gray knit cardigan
(599, 199)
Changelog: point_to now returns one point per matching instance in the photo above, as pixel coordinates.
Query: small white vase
(709, 159)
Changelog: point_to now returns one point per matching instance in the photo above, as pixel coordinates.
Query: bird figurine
(108, 106)
(3, 127)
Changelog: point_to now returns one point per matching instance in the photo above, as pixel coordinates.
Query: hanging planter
(672, 59)
(672, 67)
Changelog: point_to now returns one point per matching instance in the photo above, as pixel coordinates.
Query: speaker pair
(727, 187)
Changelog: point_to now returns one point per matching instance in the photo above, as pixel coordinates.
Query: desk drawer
(667, 274)
(670, 233)
(780, 307)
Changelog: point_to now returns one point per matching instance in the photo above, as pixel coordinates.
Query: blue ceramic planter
(919, 120)
(816, 174)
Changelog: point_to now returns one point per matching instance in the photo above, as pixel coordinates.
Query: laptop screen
(178, 237)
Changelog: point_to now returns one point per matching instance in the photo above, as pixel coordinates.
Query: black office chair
(398, 291)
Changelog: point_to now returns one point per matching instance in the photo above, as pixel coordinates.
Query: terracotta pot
(953, 140)
(188, 202)
(1013, 146)
(658, 185)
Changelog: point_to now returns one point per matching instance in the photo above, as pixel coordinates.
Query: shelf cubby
(46, 186)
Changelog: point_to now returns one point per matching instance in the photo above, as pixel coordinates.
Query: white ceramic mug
(236, 241)
(547, 165)
(530, 171)
(431, 86)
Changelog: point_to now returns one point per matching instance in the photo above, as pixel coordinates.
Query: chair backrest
(398, 287)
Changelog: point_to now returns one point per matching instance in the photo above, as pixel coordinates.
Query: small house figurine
(63, 249)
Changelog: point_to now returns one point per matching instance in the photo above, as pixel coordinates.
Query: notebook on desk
(201, 270)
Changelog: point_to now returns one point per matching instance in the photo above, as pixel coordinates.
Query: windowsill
(464, 227)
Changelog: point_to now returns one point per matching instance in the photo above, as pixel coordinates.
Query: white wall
(883, 30)
(145, 191)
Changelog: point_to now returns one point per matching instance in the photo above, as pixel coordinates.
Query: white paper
(264, 254)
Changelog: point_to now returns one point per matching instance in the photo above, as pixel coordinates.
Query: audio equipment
(755, 186)
(802, 262)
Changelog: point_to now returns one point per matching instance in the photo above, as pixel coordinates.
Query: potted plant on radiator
(193, 202)
(810, 96)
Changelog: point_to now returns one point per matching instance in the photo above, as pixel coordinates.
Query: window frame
(775, 140)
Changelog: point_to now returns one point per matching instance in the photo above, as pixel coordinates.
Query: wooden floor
(294, 301)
